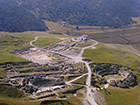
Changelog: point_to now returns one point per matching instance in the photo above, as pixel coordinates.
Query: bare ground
(99, 98)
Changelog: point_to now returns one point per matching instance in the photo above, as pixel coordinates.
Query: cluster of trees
(112, 13)
(22, 15)
(14, 18)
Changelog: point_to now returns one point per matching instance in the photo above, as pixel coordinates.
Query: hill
(16, 19)
(27, 15)
(110, 13)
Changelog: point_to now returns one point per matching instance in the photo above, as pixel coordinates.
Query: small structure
(63, 23)
(83, 38)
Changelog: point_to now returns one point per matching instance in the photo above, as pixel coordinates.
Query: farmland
(129, 35)
(126, 36)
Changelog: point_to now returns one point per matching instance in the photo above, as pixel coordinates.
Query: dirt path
(36, 38)
(77, 59)
(90, 94)
(69, 82)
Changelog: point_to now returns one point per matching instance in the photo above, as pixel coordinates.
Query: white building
(83, 38)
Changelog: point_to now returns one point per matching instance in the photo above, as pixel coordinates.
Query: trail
(77, 59)
(69, 82)
(36, 38)
(90, 94)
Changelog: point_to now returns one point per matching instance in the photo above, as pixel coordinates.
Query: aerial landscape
(69, 52)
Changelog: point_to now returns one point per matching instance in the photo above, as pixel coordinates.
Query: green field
(81, 81)
(106, 54)
(7, 57)
(12, 96)
(120, 96)
(44, 42)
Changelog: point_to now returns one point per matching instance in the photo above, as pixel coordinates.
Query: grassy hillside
(120, 96)
(106, 54)
(44, 42)
(12, 92)
(13, 41)
(7, 57)
(83, 12)
(12, 96)
(14, 18)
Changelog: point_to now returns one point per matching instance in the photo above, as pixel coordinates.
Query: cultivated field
(129, 35)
